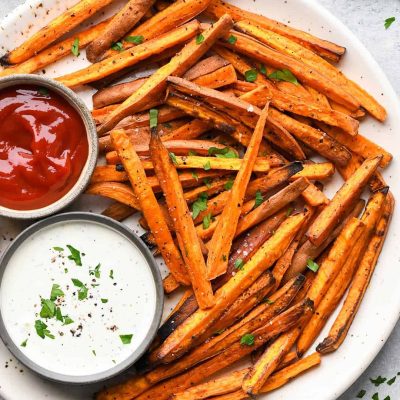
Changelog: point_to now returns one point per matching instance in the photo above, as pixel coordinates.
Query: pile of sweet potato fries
(214, 149)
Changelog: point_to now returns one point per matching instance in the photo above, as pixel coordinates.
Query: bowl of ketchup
(48, 146)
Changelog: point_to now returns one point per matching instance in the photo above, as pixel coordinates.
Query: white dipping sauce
(92, 343)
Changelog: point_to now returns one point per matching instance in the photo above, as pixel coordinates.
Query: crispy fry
(130, 57)
(272, 205)
(315, 171)
(322, 47)
(337, 256)
(221, 77)
(116, 191)
(119, 25)
(170, 284)
(149, 205)
(178, 65)
(291, 103)
(178, 13)
(305, 73)
(182, 338)
(313, 196)
(55, 52)
(346, 195)
(189, 243)
(59, 26)
(340, 284)
(320, 65)
(191, 130)
(341, 326)
(118, 211)
(221, 241)
(310, 251)
(360, 145)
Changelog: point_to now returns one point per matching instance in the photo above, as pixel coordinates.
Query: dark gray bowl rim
(73, 99)
(132, 237)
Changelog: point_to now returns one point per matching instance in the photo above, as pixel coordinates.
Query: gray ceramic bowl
(136, 241)
(90, 126)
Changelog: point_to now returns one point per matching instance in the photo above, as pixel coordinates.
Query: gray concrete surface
(366, 19)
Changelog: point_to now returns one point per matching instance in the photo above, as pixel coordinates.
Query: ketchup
(43, 147)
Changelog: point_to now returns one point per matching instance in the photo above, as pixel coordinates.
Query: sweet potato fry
(191, 130)
(346, 195)
(279, 324)
(291, 103)
(149, 206)
(322, 47)
(337, 256)
(187, 238)
(58, 27)
(118, 211)
(338, 287)
(205, 66)
(116, 191)
(55, 52)
(320, 65)
(306, 74)
(271, 205)
(310, 251)
(119, 25)
(360, 145)
(130, 57)
(268, 182)
(221, 242)
(314, 197)
(243, 248)
(170, 284)
(222, 77)
(183, 337)
(178, 65)
(177, 14)
(272, 357)
(315, 171)
(341, 326)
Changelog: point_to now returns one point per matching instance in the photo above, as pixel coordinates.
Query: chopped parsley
(199, 39)
(378, 381)
(283, 75)
(56, 292)
(192, 153)
(153, 117)
(172, 156)
(199, 205)
(75, 48)
(23, 344)
(250, 75)
(117, 46)
(195, 176)
(56, 248)
(226, 152)
(239, 264)
(311, 264)
(95, 271)
(41, 329)
(126, 339)
(207, 182)
(232, 39)
(259, 199)
(268, 301)
(67, 320)
(361, 394)
(263, 69)
(206, 221)
(75, 255)
(389, 22)
(228, 185)
(111, 274)
(391, 381)
(94, 352)
(83, 290)
(104, 301)
(58, 315)
(48, 309)
(247, 339)
(138, 39)
(375, 396)
(289, 211)
(207, 166)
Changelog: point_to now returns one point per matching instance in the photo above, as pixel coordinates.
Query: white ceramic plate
(381, 307)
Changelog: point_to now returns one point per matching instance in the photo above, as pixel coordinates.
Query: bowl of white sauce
(81, 298)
